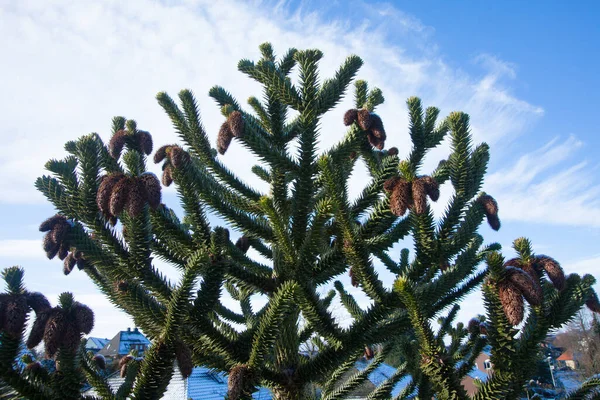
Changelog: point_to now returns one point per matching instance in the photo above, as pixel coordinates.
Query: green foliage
(308, 231)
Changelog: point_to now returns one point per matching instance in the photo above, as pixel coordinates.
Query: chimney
(128, 330)
(135, 330)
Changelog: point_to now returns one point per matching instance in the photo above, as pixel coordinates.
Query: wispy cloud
(76, 66)
(547, 186)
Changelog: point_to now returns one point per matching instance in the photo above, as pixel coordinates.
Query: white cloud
(544, 186)
(21, 249)
(76, 66)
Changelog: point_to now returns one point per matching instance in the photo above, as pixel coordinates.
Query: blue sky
(526, 72)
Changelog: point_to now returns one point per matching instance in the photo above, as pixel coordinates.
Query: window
(487, 364)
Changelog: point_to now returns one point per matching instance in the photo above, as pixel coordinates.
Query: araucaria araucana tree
(112, 224)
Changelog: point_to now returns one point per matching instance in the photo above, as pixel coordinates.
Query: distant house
(95, 344)
(203, 384)
(480, 372)
(123, 343)
(567, 359)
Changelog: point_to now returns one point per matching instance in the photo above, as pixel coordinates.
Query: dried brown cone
(105, 189)
(375, 141)
(63, 251)
(490, 208)
(136, 198)
(48, 224)
(527, 267)
(512, 302)
(239, 382)
(50, 246)
(161, 153)
(54, 332)
(553, 270)
(353, 155)
(100, 361)
(529, 287)
(123, 372)
(184, 359)
(179, 157)
(144, 140)
(474, 326)
(369, 353)
(16, 315)
(119, 195)
(125, 360)
(167, 176)
(69, 264)
(59, 232)
(71, 337)
(364, 119)
(390, 184)
(236, 124)
(37, 329)
(84, 317)
(592, 303)
(483, 329)
(393, 151)
(432, 187)
(350, 116)
(153, 190)
(419, 195)
(400, 198)
(243, 244)
(377, 128)
(117, 141)
(38, 302)
(224, 138)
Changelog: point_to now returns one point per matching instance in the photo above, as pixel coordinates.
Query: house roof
(381, 374)
(566, 356)
(203, 384)
(95, 343)
(122, 342)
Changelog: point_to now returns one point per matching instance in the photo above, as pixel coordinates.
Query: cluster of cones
(118, 192)
(56, 243)
(368, 122)
(177, 156)
(232, 127)
(522, 282)
(411, 195)
(14, 309)
(59, 328)
(141, 140)
(476, 327)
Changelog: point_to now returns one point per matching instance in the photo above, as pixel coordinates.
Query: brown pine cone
(512, 302)
(116, 143)
(153, 189)
(144, 140)
(364, 119)
(528, 286)
(490, 208)
(224, 138)
(235, 121)
(401, 198)
(553, 270)
(119, 195)
(350, 116)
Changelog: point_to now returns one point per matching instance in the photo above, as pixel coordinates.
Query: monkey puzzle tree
(112, 224)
